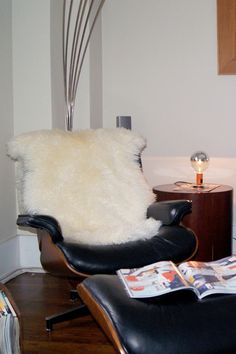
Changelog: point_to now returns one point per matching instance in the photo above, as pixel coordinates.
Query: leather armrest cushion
(44, 222)
(169, 212)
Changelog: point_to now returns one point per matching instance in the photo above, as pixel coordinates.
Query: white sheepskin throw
(89, 181)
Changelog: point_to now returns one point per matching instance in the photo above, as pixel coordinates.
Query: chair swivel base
(78, 311)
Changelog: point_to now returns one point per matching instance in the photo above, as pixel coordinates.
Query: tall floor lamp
(79, 18)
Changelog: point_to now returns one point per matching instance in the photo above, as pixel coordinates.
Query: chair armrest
(43, 222)
(169, 212)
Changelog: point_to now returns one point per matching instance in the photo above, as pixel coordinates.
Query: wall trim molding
(18, 255)
(15, 273)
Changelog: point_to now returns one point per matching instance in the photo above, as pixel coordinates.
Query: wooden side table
(211, 218)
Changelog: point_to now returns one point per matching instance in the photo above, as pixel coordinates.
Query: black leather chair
(76, 260)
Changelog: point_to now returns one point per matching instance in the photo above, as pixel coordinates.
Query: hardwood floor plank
(39, 295)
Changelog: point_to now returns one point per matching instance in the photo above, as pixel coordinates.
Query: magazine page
(152, 280)
(211, 277)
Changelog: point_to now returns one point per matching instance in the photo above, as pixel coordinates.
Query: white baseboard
(18, 255)
(7, 277)
(10, 257)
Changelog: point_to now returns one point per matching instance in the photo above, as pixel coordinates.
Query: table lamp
(199, 161)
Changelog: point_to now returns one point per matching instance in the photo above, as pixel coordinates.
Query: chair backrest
(89, 181)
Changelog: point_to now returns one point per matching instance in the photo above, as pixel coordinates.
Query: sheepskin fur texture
(89, 181)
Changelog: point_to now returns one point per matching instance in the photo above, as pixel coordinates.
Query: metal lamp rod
(73, 59)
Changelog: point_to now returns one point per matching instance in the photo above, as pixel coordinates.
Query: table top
(173, 188)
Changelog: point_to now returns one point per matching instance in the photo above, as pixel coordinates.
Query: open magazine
(204, 278)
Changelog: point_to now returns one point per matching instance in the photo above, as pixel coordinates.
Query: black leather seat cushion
(172, 242)
(176, 323)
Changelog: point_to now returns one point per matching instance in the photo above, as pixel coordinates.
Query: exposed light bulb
(200, 162)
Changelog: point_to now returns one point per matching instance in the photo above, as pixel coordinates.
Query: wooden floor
(38, 295)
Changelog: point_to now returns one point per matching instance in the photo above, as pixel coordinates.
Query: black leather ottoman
(177, 323)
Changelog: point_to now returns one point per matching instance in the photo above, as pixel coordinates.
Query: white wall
(96, 75)
(31, 65)
(160, 66)
(57, 82)
(7, 191)
(25, 101)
